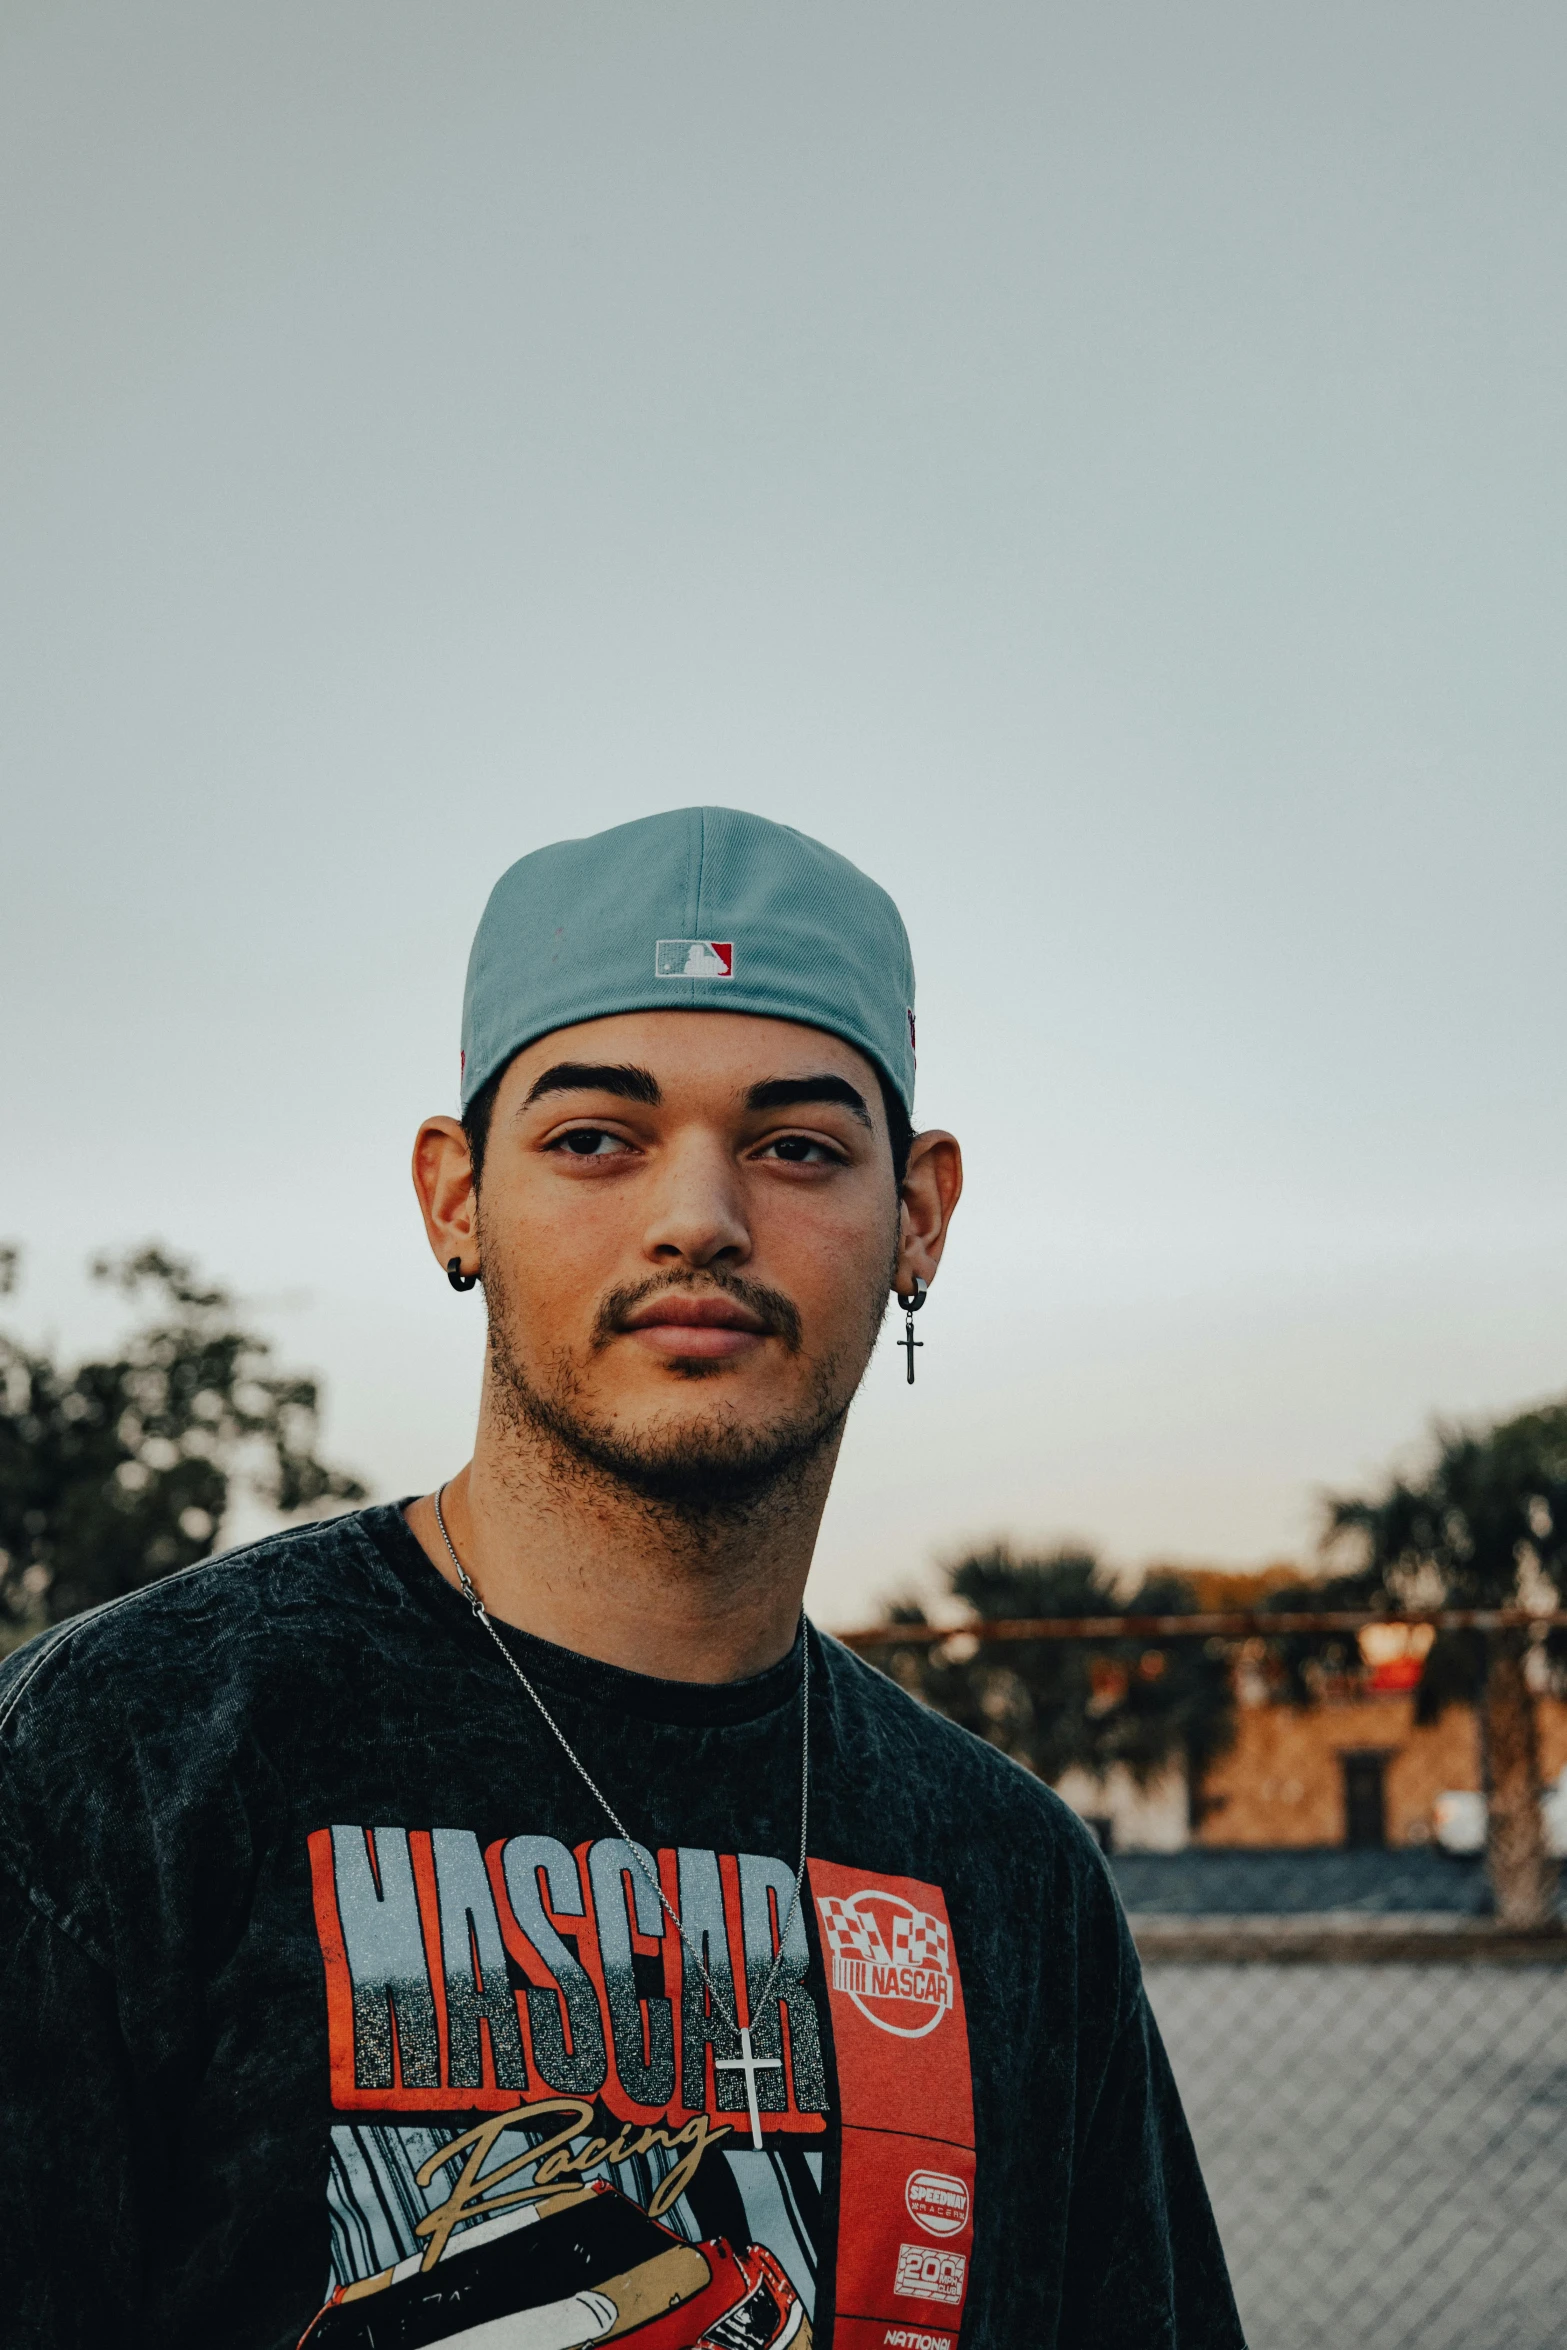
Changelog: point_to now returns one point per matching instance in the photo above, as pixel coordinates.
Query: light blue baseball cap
(701, 909)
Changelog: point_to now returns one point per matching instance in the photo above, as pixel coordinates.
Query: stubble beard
(699, 1473)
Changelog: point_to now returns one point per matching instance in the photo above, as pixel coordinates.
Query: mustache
(778, 1315)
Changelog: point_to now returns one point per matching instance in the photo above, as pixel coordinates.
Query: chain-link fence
(1385, 2145)
(1376, 2078)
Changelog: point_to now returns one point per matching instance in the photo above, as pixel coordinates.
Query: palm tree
(1056, 1704)
(1484, 1526)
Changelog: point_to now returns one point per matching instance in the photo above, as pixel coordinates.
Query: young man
(500, 1920)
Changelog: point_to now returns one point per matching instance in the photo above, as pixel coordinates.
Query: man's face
(687, 1225)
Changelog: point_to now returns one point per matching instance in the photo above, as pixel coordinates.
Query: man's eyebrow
(633, 1085)
(782, 1093)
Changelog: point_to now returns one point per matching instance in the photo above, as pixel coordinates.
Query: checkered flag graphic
(851, 1936)
(919, 1941)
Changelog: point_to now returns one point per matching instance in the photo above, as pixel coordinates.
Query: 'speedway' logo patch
(693, 958)
(937, 2202)
(892, 1959)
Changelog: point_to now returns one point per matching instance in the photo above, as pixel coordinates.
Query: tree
(1483, 1525)
(114, 1473)
(1053, 1704)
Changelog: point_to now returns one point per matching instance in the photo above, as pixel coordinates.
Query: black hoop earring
(911, 1306)
(457, 1277)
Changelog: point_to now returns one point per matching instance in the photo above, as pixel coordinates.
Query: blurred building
(1352, 1769)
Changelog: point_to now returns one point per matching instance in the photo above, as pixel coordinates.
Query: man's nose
(698, 1211)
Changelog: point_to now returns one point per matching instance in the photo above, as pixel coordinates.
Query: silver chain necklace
(746, 2062)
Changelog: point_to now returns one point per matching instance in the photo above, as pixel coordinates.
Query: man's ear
(443, 1179)
(931, 1190)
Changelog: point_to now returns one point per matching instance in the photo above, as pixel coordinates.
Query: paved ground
(1208, 1879)
(1386, 2147)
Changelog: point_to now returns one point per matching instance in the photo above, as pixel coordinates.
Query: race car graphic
(586, 2266)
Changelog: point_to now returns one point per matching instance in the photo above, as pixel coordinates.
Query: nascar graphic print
(540, 2135)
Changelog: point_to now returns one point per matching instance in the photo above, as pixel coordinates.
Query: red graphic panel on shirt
(900, 2038)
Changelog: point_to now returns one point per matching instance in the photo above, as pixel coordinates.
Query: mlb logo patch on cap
(693, 958)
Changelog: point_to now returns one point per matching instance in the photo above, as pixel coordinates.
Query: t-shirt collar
(709, 1704)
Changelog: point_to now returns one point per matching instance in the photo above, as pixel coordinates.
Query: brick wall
(1281, 1783)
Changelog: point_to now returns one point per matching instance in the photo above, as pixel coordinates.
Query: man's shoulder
(1005, 1848)
(143, 1727)
(192, 1631)
(967, 1769)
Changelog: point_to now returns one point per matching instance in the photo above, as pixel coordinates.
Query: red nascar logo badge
(893, 1960)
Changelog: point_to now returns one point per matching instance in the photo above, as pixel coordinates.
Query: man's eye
(799, 1150)
(589, 1142)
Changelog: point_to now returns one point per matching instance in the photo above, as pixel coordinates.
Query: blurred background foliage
(1056, 1704)
(114, 1472)
(1481, 1522)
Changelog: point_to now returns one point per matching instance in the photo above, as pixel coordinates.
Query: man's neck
(592, 1567)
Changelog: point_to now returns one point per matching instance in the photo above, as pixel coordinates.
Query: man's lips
(709, 1328)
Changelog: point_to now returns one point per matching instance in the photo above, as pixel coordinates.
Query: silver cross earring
(911, 1306)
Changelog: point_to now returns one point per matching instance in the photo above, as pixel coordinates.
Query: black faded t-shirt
(334, 2010)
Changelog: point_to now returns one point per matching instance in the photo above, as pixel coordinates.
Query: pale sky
(1099, 467)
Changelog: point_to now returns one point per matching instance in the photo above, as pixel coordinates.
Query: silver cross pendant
(750, 2065)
